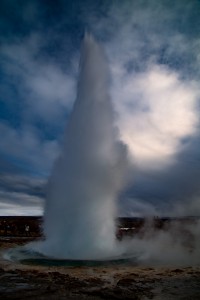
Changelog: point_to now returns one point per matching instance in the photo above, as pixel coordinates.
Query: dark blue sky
(153, 54)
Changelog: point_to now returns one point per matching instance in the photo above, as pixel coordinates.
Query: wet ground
(19, 281)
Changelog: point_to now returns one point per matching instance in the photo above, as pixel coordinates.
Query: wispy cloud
(157, 110)
(45, 89)
(26, 145)
(153, 53)
(21, 195)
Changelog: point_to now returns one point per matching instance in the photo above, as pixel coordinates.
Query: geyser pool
(80, 210)
(27, 256)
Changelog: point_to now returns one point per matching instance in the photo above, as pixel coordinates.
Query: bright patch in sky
(157, 110)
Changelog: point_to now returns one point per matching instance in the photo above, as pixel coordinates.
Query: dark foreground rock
(111, 282)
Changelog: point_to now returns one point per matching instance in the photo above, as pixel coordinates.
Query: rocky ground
(19, 281)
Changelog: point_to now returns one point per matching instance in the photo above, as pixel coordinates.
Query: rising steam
(80, 210)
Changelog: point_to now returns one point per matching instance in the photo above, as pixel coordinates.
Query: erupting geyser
(80, 211)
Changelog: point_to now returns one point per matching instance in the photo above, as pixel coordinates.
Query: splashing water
(79, 221)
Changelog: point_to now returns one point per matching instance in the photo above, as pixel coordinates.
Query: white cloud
(46, 90)
(53, 92)
(154, 66)
(156, 111)
(20, 182)
(20, 204)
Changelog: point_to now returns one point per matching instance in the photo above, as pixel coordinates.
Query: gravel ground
(19, 281)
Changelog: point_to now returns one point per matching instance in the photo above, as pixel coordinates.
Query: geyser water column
(80, 211)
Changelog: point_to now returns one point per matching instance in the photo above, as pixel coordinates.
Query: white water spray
(80, 210)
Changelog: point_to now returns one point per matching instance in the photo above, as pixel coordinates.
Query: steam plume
(82, 190)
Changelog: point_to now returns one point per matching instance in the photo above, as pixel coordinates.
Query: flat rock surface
(19, 281)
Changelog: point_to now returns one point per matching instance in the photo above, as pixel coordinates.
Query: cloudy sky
(153, 52)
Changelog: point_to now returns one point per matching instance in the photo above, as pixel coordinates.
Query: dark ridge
(31, 226)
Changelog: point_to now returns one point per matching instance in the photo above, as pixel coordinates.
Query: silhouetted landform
(21, 226)
(31, 226)
(140, 226)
